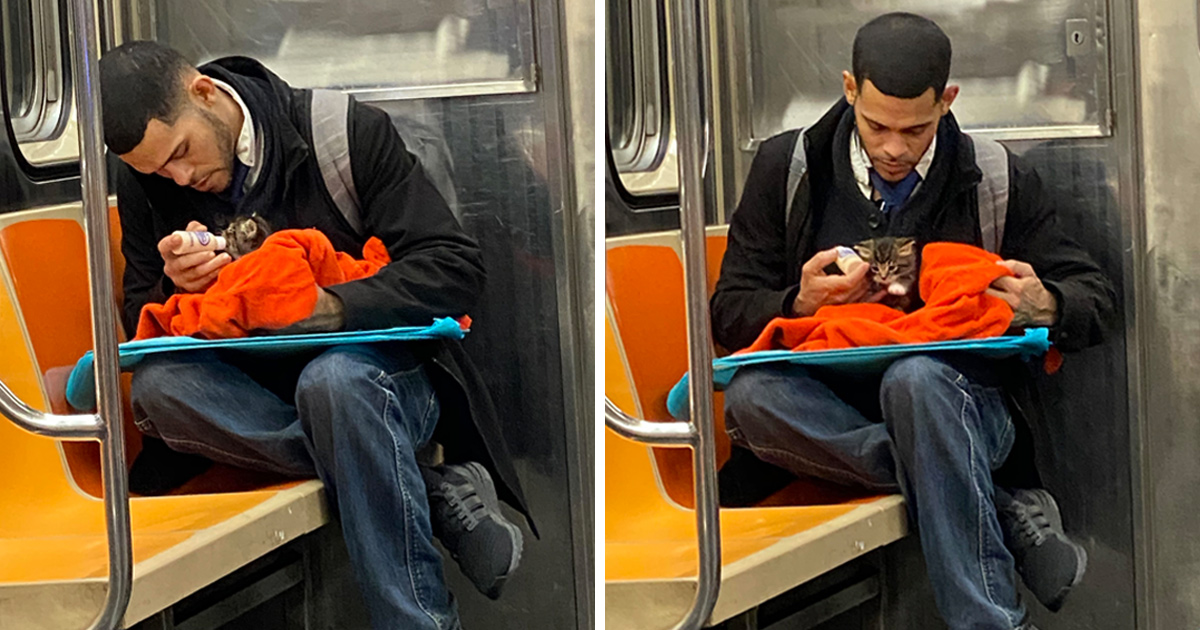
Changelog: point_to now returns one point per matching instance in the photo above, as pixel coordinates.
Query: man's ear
(849, 86)
(202, 89)
(948, 96)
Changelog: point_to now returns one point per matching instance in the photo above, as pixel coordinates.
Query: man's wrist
(1051, 314)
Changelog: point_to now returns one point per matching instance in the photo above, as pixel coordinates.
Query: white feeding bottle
(198, 242)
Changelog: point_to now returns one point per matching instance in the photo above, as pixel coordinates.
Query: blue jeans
(930, 433)
(354, 416)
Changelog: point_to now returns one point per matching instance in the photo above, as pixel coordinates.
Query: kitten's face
(245, 234)
(893, 268)
(891, 259)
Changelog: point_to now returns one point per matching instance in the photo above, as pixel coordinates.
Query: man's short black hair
(139, 81)
(903, 55)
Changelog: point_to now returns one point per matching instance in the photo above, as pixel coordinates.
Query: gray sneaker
(466, 517)
(1050, 563)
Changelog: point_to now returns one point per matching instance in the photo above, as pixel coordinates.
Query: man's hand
(1031, 302)
(194, 272)
(818, 289)
(327, 316)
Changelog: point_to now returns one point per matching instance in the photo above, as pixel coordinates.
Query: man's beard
(224, 138)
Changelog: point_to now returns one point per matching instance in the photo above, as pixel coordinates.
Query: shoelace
(1032, 523)
(464, 504)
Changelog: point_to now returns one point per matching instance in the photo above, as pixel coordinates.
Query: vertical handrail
(687, 25)
(84, 31)
(105, 425)
(687, 29)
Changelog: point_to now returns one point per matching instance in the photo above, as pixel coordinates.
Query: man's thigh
(792, 419)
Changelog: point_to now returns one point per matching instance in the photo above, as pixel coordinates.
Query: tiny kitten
(894, 268)
(245, 234)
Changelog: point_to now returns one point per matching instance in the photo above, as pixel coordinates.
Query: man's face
(895, 132)
(196, 151)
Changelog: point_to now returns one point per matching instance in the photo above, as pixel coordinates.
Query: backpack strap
(331, 145)
(992, 160)
(796, 170)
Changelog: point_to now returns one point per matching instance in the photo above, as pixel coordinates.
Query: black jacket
(437, 270)
(760, 274)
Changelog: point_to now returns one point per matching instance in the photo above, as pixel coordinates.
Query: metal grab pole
(80, 426)
(106, 424)
(688, 29)
(84, 31)
(655, 433)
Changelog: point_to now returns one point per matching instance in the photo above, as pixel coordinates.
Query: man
(231, 138)
(889, 160)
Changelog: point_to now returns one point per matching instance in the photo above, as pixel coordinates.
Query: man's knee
(912, 376)
(756, 393)
(744, 394)
(160, 382)
(335, 373)
(152, 378)
(908, 395)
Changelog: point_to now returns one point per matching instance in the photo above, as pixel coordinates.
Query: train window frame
(42, 131)
(1095, 63)
(640, 131)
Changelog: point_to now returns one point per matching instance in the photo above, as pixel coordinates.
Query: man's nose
(182, 175)
(893, 146)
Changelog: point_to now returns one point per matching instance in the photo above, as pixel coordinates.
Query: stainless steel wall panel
(1169, 311)
(501, 160)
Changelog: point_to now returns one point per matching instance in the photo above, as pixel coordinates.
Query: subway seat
(53, 549)
(651, 552)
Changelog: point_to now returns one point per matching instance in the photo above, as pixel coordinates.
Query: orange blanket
(272, 287)
(954, 279)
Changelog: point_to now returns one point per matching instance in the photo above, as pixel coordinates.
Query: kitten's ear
(865, 249)
(906, 247)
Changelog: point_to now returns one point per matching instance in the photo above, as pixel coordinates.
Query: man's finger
(196, 272)
(1019, 269)
(203, 282)
(844, 284)
(196, 226)
(857, 294)
(214, 265)
(860, 271)
(819, 262)
(1007, 284)
(184, 263)
(167, 245)
(1008, 298)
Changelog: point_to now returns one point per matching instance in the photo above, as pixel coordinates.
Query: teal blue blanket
(869, 360)
(81, 390)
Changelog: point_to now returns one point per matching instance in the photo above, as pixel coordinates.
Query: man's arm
(752, 288)
(143, 282)
(1085, 297)
(436, 269)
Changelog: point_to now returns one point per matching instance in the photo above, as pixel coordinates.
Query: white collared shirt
(249, 150)
(860, 163)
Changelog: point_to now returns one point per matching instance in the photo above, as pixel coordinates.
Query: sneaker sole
(1050, 506)
(491, 501)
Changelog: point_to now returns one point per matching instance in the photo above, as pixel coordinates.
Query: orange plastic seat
(53, 550)
(650, 537)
